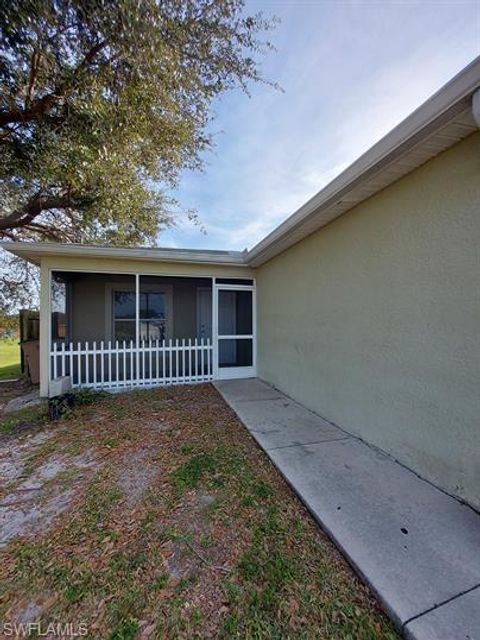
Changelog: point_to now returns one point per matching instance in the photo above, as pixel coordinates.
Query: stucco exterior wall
(374, 320)
(145, 267)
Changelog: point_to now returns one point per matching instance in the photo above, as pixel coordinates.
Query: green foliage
(101, 102)
(161, 582)
(262, 490)
(85, 396)
(8, 325)
(189, 474)
(126, 630)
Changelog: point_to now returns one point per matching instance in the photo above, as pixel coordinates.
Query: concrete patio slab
(250, 389)
(417, 547)
(455, 619)
(400, 532)
(280, 422)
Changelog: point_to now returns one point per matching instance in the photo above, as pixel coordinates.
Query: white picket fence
(117, 365)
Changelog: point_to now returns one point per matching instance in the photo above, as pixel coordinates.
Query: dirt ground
(153, 514)
(14, 389)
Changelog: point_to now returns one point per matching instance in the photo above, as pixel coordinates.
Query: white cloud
(350, 74)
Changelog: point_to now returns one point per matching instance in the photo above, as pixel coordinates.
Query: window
(152, 315)
(59, 308)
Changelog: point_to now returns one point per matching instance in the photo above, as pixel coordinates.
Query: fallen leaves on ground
(176, 526)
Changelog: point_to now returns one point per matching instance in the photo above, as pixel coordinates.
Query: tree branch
(25, 215)
(34, 66)
(89, 56)
(46, 102)
(25, 115)
(8, 234)
(45, 231)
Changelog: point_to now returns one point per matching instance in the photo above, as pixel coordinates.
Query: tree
(19, 284)
(101, 99)
(8, 325)
(104, 102)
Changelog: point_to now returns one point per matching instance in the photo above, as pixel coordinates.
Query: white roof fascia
(34, 250)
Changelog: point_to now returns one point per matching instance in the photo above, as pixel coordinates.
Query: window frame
(112, 287)
(233, 372)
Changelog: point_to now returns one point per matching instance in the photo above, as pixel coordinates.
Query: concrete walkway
(417, 548)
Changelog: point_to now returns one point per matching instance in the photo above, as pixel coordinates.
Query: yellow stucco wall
(374, 320)
(145, 267)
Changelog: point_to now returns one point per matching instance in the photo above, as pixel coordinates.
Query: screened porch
(116, 331)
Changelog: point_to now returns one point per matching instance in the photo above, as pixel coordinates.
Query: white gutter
(34, 250)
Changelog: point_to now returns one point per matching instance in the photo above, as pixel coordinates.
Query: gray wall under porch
(88, 303)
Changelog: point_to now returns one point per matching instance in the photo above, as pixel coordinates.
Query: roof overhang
(35, 251)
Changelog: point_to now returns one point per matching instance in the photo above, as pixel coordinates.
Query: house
(364, 305)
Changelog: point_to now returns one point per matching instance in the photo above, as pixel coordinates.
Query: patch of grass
(126, 630)
(205, 542)
(171, 534)
(195, 616)
(161, 582)
(88, 396)
(28, 559)
(41, 453)
(187, 582)
(9, 359)
(64, 477)
(99, 500)
(230, 626)
(23, 419)
(258, 492)
(262, 490)
(119, 412)
(76, 590)
(122, 609)
(190, 473)
(187, 448)
(112, 441)
(108, 534)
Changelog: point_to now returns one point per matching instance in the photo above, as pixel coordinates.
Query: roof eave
(33, 252)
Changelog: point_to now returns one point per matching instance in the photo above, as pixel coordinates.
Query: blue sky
(350, 72)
